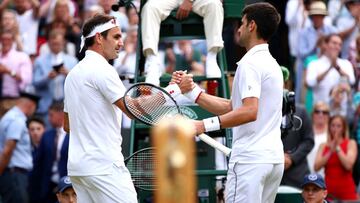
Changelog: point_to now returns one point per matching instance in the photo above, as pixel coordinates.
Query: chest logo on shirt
(249, 87)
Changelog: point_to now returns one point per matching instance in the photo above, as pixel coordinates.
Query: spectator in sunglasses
(320, 119)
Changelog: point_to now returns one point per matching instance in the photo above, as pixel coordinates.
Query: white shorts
(114, 188)
(253, 183)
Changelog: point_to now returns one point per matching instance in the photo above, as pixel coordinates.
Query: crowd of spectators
(40, 44)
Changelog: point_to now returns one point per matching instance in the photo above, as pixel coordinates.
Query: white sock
(211, 56)
(151, 57)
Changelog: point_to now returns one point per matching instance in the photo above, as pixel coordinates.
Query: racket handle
(210, 141)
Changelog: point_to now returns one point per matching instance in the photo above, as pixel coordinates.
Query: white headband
(98, 29)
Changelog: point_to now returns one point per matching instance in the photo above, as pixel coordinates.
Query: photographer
(298, 139)
(50, 70)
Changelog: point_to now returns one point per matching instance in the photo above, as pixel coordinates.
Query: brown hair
(91, 24)
(266, 17)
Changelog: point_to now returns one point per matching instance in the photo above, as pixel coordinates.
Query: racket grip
(210, 141)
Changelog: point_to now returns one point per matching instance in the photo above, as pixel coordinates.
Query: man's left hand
(184, 10)
(288, 161)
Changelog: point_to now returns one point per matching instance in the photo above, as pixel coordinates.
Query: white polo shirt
(91, 88)
(258, 75)
(321, 90)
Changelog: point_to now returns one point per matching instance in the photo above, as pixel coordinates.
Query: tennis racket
(149, 104)
(141, 166)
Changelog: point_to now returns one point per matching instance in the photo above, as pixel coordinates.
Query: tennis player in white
(93, 104)
(257, 160)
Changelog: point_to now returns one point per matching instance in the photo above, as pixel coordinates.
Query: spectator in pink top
(15, 70)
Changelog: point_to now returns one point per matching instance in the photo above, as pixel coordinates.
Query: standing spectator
(329, 70)
(350, 26)
(155, 11)
(120, 16)
(36, 127)
(298, 142)
(15, 150)
(184, 57)
(338, 156)
(50, 70)
(16, 71)
(63, 16)
(9, 22)
(28, 15)
(320, 120)
(51, 158)
(308, 38)
(314, 189)
(296, 17)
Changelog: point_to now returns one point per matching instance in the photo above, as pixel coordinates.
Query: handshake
(182, 83)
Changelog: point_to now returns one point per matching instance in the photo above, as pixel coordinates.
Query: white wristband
(173, 90)
(212, 124)
(194, 94)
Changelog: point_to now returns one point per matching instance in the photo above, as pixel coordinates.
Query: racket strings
(141, 167)
(150, 105)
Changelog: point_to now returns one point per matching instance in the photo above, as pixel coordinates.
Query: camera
(122, 3)
(58, 67)
(288, 110)
(288, 107)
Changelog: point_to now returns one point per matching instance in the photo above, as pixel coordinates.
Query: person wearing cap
(308, 38)
(66, 192)
(15, 150)
(314, 189)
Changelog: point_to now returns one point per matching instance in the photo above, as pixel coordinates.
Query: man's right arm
(6, 154)
(66, 123)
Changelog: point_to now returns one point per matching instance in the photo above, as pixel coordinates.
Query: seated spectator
(184, 57)
(320, 120)
(341, 102)
(15, 69)
(125, 64)
(132, 15)
(298, 142)
(66, 192)
(36, 127)
(153, 12)
(314, 189)
(57, 27)
(338, 156)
